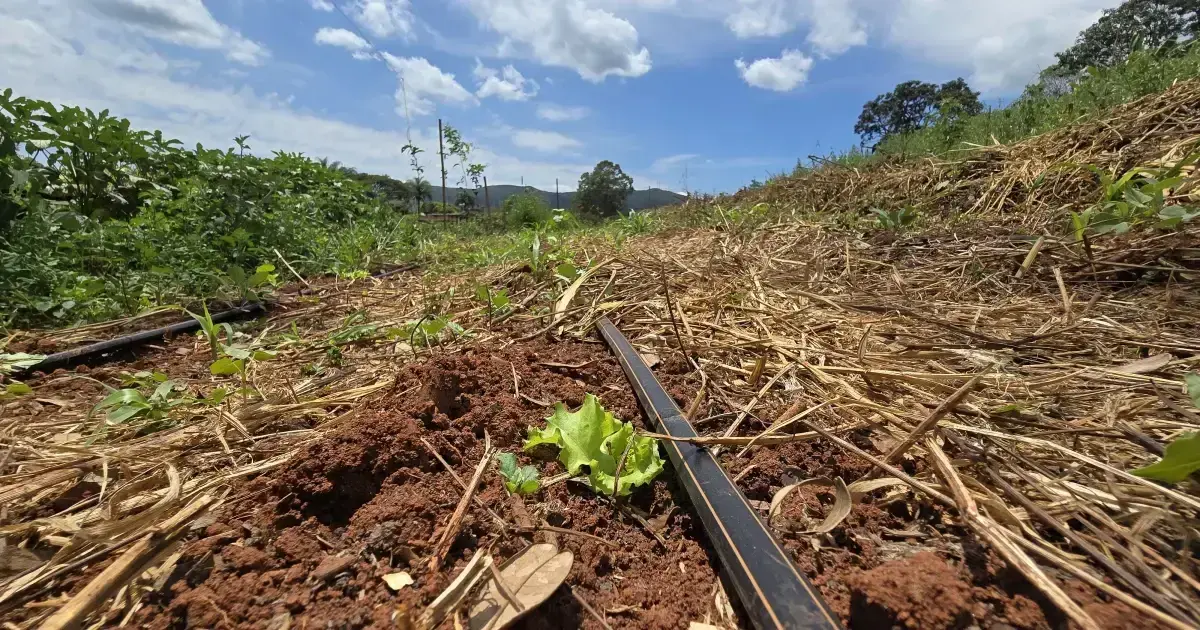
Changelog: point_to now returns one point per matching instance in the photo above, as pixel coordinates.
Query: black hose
(75, 356)
(773, 592)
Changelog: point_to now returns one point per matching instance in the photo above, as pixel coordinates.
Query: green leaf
(225, 367)
(121, 414)
(1193, 387)
(263, 355)
(236, 352)
(518, 480)
(18, 389)
(122, 397)
(163, 390)
(592, 437)
(1181, 459)
(18, 361)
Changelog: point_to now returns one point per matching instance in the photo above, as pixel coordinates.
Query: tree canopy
(913, 105)
(1119, 31)
(603, 191)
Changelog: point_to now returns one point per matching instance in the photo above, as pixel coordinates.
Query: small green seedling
(250, 286)
(592, 437)
(212, 331)
(894, 219)
(519, 480)
(124, 405)
(1182, 456)
(497, 301)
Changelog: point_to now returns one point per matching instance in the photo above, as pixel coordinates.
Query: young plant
(122, 406)
(251, 286)
(519, 480)
(1137, 197)
(1182, 456)
(212, 331)
(895, 219)
(497, 302)
(592, 437)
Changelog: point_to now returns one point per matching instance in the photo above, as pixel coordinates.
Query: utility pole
(557, 203)
(486, 201)
(442, 155)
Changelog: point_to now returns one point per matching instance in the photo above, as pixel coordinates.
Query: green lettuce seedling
(518, 480)
(592, 437)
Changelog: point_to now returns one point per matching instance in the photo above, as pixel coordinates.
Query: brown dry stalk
(125, 568)
(993, 533)
(452, 527)
(934, 417)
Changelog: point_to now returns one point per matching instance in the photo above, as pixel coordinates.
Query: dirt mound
(311, 542)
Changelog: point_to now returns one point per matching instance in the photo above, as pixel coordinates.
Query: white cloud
(764, 18)
(507, 84)
(672, 161)
(343, 38)
(384, 18)
(558, 113)
(781, 74)
(565, 33)
(321, 5)
(835, 27)
(544, 141)
(425, 85)
(1002, 45)
(184, 23)
(54, 51)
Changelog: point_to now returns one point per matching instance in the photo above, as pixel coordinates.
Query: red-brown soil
(307, 545)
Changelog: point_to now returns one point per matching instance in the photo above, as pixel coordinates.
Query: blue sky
(702, 95)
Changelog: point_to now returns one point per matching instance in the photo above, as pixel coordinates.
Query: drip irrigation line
(84, 354)
(773, 592)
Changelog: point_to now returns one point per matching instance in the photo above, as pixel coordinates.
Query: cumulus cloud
(321, 5)
(835, 27)
(781, 74)
(544, 141)
(424, 86)
(558, 113)
(506, 84)
(1001, 45)
(343, 38)
(384, 18)
(184, 23)
(565, 33)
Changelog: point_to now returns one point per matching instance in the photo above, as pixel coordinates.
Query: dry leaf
(531, 577)
(696, 625)
(1144, 366)
(863, 487)
(841, 506)
(398, 580)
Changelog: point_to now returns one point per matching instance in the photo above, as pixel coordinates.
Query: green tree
(421, 189)
(914, 105)
(1120, 31)
(603, 192)
(465, 201)
(526, 209)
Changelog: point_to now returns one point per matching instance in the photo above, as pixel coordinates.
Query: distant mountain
(639, 200)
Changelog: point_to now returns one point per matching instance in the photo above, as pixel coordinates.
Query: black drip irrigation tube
(773, 592)
(75, 356)
(82, 354)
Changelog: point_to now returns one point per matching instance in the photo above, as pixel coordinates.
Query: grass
(1037, 112)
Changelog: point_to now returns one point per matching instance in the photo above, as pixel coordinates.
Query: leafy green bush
(526, 210)
(98, 220)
